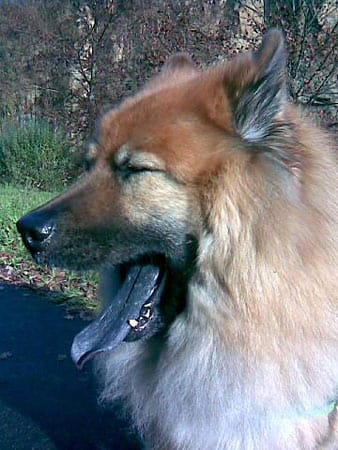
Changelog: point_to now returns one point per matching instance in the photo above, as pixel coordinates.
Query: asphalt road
(45, 402)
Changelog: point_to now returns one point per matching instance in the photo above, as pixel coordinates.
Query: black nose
(35, 229)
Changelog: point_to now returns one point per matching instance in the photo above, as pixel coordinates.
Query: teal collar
(320, 412)
(316, 413)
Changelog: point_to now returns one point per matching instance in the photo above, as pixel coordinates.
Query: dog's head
(142, 205)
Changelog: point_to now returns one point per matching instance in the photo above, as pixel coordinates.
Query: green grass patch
(14, 202)
(17, 266)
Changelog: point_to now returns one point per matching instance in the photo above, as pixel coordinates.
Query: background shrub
(33, 154)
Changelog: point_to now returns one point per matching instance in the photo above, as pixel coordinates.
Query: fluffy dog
(212, 206)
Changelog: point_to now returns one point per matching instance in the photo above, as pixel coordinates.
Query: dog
(211, 205)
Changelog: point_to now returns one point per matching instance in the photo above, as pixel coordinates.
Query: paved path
(45, 402)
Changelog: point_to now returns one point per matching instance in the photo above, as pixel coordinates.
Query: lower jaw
(134, 312)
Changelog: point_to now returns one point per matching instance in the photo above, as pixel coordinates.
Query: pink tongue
(111, 328)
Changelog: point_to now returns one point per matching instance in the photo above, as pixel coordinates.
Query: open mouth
(132, 315)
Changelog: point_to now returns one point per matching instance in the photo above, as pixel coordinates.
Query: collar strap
(320, 412)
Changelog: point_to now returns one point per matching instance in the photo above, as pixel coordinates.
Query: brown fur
(254, 354)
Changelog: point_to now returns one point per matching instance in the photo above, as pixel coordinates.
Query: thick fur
(252, 361)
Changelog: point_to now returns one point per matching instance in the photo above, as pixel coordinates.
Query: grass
(32, 154)
(16, 266)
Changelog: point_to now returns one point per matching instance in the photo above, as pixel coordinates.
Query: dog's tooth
(143, 323)
(133, 323)
(147, 305)
(147, 314)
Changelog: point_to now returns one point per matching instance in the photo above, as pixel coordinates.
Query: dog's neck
(241, 284)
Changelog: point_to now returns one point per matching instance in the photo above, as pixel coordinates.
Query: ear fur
(179, 62)
(178, 67)
(257, 91)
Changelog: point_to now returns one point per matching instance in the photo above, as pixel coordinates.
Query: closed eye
(127, 170)
(128, 162)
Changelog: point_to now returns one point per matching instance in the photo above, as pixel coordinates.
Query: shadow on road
(45, 402)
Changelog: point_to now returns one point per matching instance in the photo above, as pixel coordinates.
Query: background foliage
(67, 60)
(33, 154)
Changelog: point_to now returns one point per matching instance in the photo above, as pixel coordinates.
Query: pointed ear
(177, 67)
(256, 88)
(181, 62)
